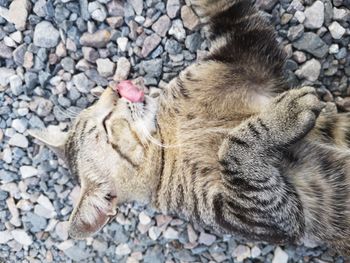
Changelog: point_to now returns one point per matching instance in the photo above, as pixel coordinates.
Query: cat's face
(104, 149)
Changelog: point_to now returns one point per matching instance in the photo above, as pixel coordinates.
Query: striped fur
(227, 146)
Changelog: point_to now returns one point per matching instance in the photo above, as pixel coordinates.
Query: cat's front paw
(295, 112)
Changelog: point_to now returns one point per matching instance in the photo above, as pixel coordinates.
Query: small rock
(192, 235)
(144, 218)
(16, 85)
(90, 54)
(300, 16)
(17, 37)
(312, 43)
(18, 140)
(341, 14)
(22, 237)
(98, 39)
(39, 8)
(5, 51)
(45, 202)
(68, 64)
(255, 252)
(241, 253)
(18, 13)
(280, 256)
(162, 25)
(76, 253)
(150, 43)
(61, 230)
(122, 43)
(5, 236)
(44, 212)
(189, 18)
(177, 30)
(122, 250)
(154, 232)
(153, 68)
(206, 239)
(295, 32)
(266, 4)
(314, 15)
(137, 5)
(171, 233)
(105, 67)
(41, 36)
(173, 8)
(334, 49)
(98, 11)
(336, 30)
(82, 83)
(5, 74)
(28, 171)
(310, 70)
(123, 69)
(115, 22)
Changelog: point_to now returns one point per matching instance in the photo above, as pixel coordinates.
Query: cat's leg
(258, 201)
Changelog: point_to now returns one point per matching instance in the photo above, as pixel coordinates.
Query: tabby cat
(226, 144)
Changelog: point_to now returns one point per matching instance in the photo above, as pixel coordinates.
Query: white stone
(41, 36)
(341, 14)
(9, 42)
(18, 13)
(177, 30)
(122, 43)
(5, 74)
(123, 69)
(45, 202)
(310, 70)
(137, 5)
(144, 218)
(18, 140)
(19, 125)
(105, 67)
(171, 233)
(300, 16)
(280, 256)
(22, 237)
(255, 252)
(154, 232)
(336, 30)
(122, 250)
(334, 49)
(28, 171)
(44, 212)
(206, 239)
(61, 230)
(17, 37)
(314, 15)
(241, 253)
(5, 236)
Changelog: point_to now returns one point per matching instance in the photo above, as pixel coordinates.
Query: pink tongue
(130, 92)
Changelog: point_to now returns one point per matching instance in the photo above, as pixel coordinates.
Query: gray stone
(314, 15)
(22, 237)
(193, 42)
(18, 140)
(44, 107)
(18, 54)
(150, 43)
(41, 36)
(36, 222)
(98, 39)
(16, 85)
(137, 6)
(313, 44)
(171, 233)
(241, 253)
(280, 256)
(206, 239)
(90, 54)
(31, 80)
(105, 67)
(123, 69)
(39, 8)
(82, 83)
(341, 14)
(5, 74)
(310, 70)
(68, 64)
(5, 51)
(153, 68)
(98, 11)
(295, 32)
(76, 253)
(173, 8)
(177, 30)
(173, 47)
(162, 25)
(336, 30)
(122, 250)
(189, 18)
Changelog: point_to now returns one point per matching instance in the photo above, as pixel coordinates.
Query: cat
(227, 144)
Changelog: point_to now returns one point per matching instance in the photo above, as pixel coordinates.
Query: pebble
(314, 15)
(313, 44)
(189, 18)
(97, 11)
(22, 237)
(28, 171)
(162, 25)
(16, 85)
(206, 239)
(105, 67)
(310, 70)
(241, 253)
(122, 250)
(5, 51)
(18, 13)
(5, 75)
(137, 6)
(18, 140)
(150, 43)
(122, 43)
(177, 30)
(76, 254)
(5, 236)
(82, 83)
(154, 232)
(280, 256)
(255, 252)
(173, 8)
(336, 30)
(144, 218)
(171, 233)
(61, 230)
(123, 69)
(45, 202)
(41, 36)
(98, 39)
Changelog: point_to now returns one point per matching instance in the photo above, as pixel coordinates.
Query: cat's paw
(296, 111)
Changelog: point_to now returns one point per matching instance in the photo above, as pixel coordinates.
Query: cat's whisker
(66, 113)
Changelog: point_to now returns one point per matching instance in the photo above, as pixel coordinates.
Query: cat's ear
(93, 211)
(53, 137)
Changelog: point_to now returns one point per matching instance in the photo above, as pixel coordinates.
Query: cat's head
(105, 149)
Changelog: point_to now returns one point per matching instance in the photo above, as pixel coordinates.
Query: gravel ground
(56, 56)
